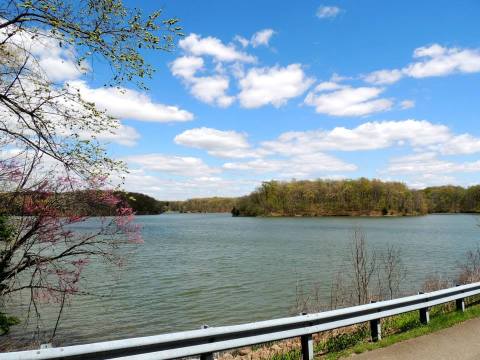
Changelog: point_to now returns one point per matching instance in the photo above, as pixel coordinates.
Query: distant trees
(323, 198)
(204, 205)
(142, 204)
(332, 197)
(452, 199)
(338, 197)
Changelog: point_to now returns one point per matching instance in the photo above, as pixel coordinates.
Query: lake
(213, 269)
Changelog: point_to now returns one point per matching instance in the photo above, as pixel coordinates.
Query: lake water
(213, 269)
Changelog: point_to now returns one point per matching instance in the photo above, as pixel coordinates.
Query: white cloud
(196, 45)
(367, 136)
(43, 53)
(272, 85)
(429, 164)
(171, 164)
(301, 166)
(434, 60)
(212, 90)
(123, 135)
(243, 41)
(440, 61)
(461, 144)
(348, 101)
(186, 66)
(262, 37)
(383, 77)
(407, 104)
(328, 11)
(140, 180)
(209, 89)
(328, 85)
(229, 144)
(126, 103)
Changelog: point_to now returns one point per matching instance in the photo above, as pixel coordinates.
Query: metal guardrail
(209, 340)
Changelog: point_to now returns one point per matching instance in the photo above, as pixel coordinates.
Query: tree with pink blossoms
(54, 170)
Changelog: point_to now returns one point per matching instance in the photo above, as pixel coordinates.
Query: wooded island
(361, 197)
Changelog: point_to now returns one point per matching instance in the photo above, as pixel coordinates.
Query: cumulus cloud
(461, 144)
(383, 77)
(140, 180)
(227, 144)
(324, 12)
(123, 135)
(347, 101)
(209, 89)
(172, 164)
(433, 60)
(194, 44)
(262, 37)
(367, 136)
(186, 66)
(301, 166)
(258, 86)
(328, 85)
(59, 64)
(212, 90)
(440, 61)
(429, 164)
(272, 85)
(127, 103)
(43, 53)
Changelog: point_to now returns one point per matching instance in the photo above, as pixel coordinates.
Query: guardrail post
(307, 344)
(307, 347)
(424, 314)
(460, 303)
(375, 328)
(207, 356)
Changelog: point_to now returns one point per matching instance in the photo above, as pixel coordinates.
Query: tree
(40, 113)
(48, 139)
(393, 270)
(363, 266)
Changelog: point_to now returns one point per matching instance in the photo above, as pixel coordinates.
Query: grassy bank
(356, 340)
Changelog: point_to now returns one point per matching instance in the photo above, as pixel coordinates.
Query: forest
(85, 203)
(204, 205)
(360, 197)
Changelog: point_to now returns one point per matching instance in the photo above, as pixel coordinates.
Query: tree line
(85, 202)
(204, 205)
(362, 197)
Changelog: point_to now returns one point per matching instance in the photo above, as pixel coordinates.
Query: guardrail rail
(209, 340)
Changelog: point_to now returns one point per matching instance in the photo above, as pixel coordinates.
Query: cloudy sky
(261, 90)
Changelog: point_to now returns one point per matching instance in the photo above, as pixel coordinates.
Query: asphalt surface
(461, 341)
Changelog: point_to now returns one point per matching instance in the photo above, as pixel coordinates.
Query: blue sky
(261, 90)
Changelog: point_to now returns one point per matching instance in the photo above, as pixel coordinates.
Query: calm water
(213, 269)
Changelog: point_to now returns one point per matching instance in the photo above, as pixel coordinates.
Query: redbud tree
(54, 172)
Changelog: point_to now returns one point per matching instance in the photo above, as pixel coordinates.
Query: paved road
(458, 342)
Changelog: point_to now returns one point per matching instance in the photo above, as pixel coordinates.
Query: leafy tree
(48, 139)
(49, 116)
(327, 197)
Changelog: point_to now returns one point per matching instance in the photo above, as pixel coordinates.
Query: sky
(262, 90)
